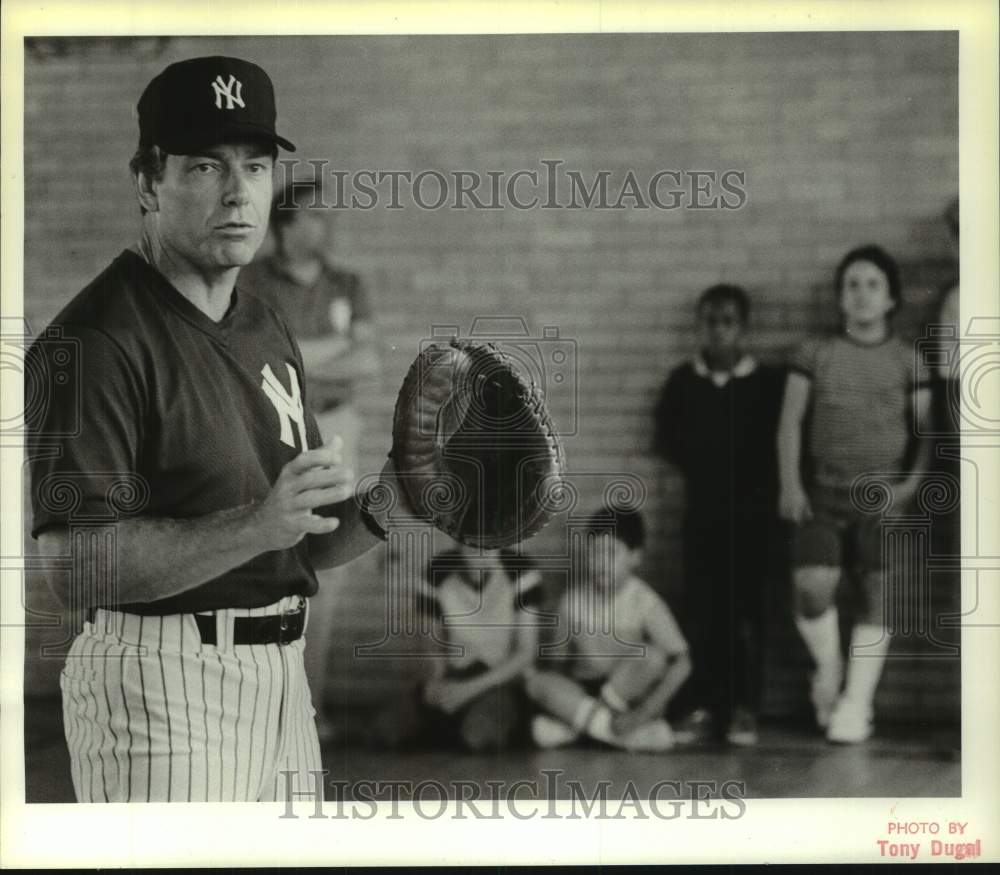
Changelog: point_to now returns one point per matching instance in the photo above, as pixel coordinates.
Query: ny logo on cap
(231, 91)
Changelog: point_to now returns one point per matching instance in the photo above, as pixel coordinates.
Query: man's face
(212, 208)
(721, 327)
(864, 295)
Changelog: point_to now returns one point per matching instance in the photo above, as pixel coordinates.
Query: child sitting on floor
(622, 654)
(475, 698)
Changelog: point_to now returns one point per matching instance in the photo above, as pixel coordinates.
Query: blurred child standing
(862, 390)
(716, 422)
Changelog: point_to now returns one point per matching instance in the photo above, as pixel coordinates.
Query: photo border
(233, 834)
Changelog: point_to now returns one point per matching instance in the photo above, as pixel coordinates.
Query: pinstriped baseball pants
(152, 714)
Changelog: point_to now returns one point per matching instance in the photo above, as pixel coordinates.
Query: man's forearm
(158, 558)
(352, 538)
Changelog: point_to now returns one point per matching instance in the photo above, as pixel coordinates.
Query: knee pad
(815, 588)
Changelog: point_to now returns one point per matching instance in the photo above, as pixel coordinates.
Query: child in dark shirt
(716, 422)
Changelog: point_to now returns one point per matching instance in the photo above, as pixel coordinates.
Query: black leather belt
(272, 629)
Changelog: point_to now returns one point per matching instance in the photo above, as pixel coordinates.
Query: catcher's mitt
(474, 446)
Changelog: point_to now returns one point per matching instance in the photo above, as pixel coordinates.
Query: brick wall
(844, 138)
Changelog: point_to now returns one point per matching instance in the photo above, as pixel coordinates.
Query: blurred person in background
(716, 422)
(329, 312)
(947, 388)
(475, 698)
(859, 394)
(620, 657)
(946, 374)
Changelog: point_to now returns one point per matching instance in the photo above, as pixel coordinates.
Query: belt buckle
(283, 622)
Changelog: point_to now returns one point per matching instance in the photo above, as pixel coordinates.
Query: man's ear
(145, 189)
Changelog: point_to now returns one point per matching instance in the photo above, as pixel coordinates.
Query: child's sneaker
(696, 727)
(850, 723)
(742, 729)
(651, 737)
(547, 732)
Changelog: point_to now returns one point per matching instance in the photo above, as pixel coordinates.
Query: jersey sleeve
(803, 358)
(85, 430)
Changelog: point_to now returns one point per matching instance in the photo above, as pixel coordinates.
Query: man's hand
(312, 479)
(793, 504)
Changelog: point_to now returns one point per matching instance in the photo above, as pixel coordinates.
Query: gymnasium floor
(790, 761)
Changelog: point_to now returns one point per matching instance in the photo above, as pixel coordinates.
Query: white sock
(612, 699)
(594, 719)
(869, 647)
(553, 730)
(584, 711)
(822, 637)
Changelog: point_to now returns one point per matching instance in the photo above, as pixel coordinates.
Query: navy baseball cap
(205, 101)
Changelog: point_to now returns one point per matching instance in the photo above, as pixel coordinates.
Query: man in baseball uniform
(181, 470)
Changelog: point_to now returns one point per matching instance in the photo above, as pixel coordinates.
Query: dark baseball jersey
(328, 306)
(169, 414)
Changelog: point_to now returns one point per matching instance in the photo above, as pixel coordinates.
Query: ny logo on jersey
(288, 404)
(232, 91)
